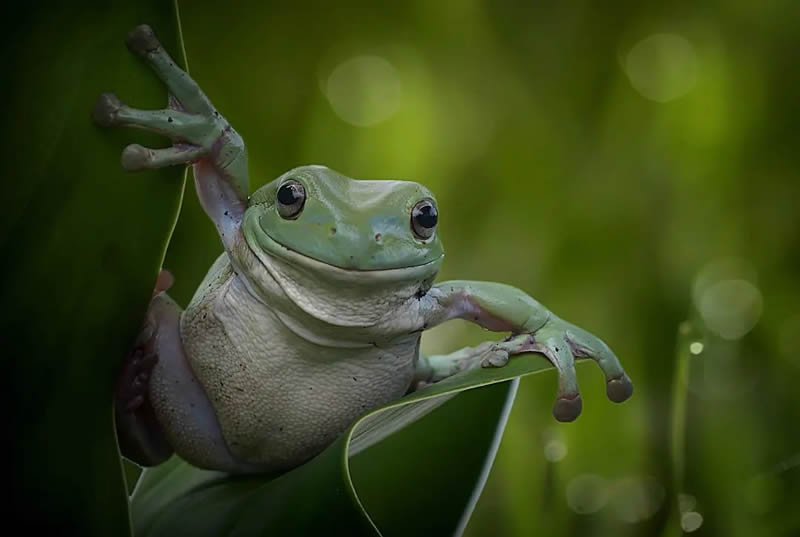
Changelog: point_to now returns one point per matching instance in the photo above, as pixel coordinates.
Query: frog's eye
(423, 219)
(290, 199)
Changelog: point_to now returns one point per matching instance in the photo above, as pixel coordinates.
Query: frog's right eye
(290, 199)
(424, 218)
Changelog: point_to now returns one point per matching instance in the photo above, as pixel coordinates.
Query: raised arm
(533, 328)
(199, 134)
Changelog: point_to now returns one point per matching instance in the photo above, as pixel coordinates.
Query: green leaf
(390, 473)
(81, 243)
(688, 333)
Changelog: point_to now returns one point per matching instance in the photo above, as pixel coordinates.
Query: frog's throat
(337, 296)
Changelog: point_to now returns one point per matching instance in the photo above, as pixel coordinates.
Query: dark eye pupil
(426, 216)
(288, 195)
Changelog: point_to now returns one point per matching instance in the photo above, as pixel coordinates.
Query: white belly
(279, 398)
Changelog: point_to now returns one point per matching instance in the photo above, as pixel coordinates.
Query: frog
(313, 313)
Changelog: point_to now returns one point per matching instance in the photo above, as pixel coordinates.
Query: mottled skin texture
(313, 313)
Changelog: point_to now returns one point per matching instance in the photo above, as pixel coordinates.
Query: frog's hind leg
(139, 434)
(160, 405)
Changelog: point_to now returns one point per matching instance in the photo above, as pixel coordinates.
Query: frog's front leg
(200, 136)
(533, 328)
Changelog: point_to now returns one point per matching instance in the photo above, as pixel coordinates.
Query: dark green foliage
(81, 243)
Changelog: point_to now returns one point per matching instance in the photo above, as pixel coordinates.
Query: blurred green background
(629, 164)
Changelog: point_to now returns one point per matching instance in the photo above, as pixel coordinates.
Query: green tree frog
(313, 313)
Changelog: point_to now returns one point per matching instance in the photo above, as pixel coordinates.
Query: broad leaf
(391, 473)
(81, 244)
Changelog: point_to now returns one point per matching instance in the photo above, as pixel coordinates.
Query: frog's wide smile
(292, 256)
(382, 254)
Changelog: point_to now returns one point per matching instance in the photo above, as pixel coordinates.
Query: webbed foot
(196, 129)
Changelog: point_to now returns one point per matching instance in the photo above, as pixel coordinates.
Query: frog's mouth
(344, 297)
(288, 254)
(260, 242)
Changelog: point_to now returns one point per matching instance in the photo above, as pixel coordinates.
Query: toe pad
(567, 409)
(105, 111)
(620, 389)
(142, 40)
(135, 157)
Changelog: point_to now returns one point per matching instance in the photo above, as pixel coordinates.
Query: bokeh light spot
(731, 308)
(726, 295)
(691, 521)
(587, 494)
(555, 450)
(696, 348)
(662, 67)
(637, 498)
(364, 90)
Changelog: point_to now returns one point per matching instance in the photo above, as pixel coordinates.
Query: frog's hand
(200, 135)
(503, 308)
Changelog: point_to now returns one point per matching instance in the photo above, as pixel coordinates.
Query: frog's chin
(341, 297)
(261, 243)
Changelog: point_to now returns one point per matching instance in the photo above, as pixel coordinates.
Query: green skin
(312, 315)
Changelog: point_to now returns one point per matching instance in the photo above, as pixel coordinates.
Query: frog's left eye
(424, 217)
(290, 199)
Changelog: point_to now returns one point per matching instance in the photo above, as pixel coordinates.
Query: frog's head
(345, 223)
